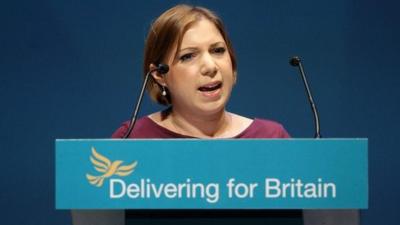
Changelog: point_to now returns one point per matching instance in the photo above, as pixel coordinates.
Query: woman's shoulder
(146, 127)
(121, 131)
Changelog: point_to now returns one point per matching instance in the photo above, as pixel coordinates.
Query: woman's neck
(212, 126)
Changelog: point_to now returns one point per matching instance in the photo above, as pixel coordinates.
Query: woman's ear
(159, 78)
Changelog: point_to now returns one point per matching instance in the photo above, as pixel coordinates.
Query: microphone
(162, 69)
(296, 62)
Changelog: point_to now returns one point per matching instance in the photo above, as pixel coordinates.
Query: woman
(202, 73)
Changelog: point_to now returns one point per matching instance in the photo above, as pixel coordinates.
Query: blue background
(71, 69)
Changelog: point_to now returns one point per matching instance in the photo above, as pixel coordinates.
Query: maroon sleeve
(284, 133)
(144, 128)
(120, 132)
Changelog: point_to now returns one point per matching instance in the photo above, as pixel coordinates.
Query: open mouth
(210, 87)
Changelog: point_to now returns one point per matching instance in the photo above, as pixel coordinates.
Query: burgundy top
(147, 128)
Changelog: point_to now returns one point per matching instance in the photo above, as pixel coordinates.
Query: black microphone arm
(162, 69)
(296, 62)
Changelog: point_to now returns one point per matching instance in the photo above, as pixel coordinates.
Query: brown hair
(168, 30)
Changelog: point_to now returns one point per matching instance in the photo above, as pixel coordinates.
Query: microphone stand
(137, 107)
(296, 62)
(161, 69)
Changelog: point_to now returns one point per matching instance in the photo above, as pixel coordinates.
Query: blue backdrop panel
(71, 69)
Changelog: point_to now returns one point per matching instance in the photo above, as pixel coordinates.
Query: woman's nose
(208, 67)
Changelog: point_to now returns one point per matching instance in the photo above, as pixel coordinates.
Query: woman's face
(200, 77)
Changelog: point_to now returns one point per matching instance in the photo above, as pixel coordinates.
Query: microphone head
(162, 68)
(294, 61)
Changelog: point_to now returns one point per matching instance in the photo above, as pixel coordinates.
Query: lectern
(99, 178)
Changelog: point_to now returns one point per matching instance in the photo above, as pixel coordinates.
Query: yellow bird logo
(108, 168)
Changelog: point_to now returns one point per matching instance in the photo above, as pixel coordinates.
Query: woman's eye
(186, 57)
(219, 50)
